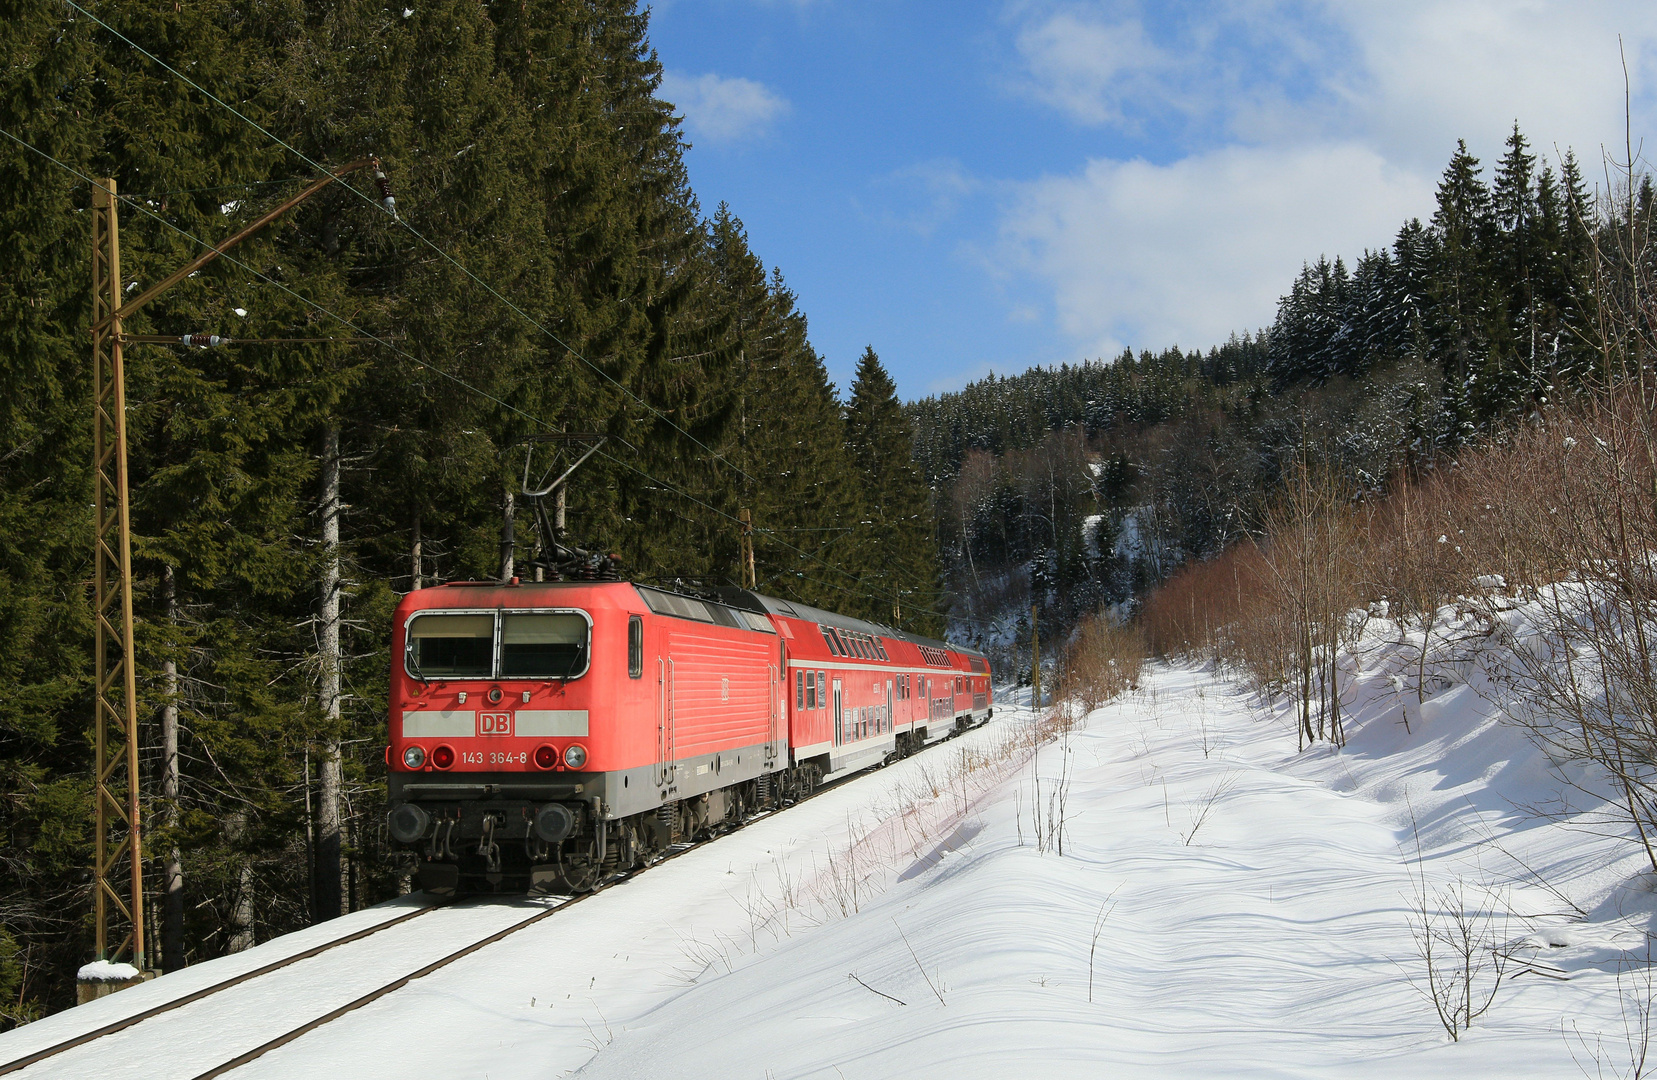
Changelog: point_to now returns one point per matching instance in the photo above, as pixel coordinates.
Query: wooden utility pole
(749, 580)
(118, 897)
(1035, 661)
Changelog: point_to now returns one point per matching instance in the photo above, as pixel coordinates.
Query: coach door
(889, 723)
(774, 704)
(839, 717)
(664, 722)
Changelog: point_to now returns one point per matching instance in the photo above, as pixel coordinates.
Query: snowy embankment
(1222, 905)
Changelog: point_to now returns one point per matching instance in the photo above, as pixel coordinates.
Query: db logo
(494, 723)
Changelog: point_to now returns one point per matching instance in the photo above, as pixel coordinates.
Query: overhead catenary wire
(412, 231)
(446, 256)
(462, 383)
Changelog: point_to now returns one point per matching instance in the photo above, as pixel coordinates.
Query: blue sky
(991, 184)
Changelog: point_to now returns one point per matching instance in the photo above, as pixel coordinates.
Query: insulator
(386, 199)
(204, 341)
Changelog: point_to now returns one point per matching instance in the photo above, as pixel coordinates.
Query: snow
(106, 971)
(1224, 905)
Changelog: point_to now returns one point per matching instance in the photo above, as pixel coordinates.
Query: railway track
(398, 983)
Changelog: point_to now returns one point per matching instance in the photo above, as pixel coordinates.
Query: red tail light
(546, 756)
(443, 757)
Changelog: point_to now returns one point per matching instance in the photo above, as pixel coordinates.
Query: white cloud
(1432, 72)
(1298, 128)
(921, 197)
(722, 110)
(1094, 69)
(1152, 255)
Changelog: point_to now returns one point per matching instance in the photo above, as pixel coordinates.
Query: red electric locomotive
(544, 735)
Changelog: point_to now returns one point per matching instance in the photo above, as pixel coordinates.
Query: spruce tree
(894, 554)
(1461, 284)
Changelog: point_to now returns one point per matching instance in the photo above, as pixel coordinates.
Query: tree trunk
(172, 927)
(331, 777)
(508, 546)
(240, 936)
(416, 578)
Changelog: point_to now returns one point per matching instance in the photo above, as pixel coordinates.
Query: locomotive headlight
(407, 823)
(575, 755)
(414, 757)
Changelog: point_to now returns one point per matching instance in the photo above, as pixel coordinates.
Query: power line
(446, 256)
(514, 308)
(423, 239)
(457, 380)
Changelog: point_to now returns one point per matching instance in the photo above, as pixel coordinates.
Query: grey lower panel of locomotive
(617, 794)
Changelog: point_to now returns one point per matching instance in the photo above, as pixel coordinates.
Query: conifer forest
(549, 270)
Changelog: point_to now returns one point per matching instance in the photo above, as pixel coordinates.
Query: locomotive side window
(552, 646)
(451, 646)
(635, 647)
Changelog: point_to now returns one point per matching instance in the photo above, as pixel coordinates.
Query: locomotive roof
(753, 601)
(747, 600)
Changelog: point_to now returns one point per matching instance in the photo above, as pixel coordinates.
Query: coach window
(810, 678)
(828, 639)
(799, 689)
(635, 647)
(822, 689)
(451, 646)
(544, 646)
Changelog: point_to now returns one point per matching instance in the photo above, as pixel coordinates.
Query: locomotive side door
(665, 765)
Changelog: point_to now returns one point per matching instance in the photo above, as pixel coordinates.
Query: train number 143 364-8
(495, 758)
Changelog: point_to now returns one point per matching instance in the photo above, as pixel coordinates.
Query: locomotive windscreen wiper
(575, 663)
(414, 662)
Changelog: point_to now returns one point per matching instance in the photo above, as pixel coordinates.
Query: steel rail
(139, 1017)
(398, 983)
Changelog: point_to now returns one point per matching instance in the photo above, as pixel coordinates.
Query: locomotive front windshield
(533, 645)
(452, 646)
(542, 646)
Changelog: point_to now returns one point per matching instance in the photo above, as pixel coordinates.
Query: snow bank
(105, 971)
(1225, 906)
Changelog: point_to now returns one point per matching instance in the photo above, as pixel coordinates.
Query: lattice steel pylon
(117, 827)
